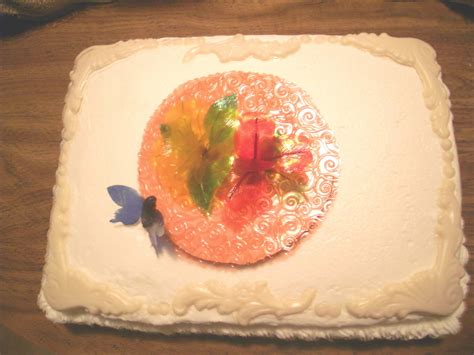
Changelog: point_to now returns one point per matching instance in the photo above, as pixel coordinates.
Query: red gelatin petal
(244, 140)
(266, 139)
(295, 162)
(266, 148)
(266, 128)
(264, 165)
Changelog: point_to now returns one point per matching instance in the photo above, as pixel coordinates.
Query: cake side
(397, 300)
(404, 330)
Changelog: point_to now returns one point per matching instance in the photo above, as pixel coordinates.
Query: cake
(288, 186)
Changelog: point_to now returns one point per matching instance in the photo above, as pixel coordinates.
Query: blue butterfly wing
(130, 202)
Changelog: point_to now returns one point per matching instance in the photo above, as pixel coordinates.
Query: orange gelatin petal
(267, 213)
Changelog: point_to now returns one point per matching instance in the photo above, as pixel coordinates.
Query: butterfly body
(152, 221)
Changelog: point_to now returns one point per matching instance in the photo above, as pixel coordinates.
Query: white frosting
(390, 242)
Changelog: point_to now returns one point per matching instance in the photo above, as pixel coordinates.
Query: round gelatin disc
(270, 210)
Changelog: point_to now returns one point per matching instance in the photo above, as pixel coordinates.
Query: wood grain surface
(35, 60)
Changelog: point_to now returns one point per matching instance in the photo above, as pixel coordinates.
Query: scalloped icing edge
(438, 291)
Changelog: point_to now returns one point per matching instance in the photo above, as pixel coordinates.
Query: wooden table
(35, 62)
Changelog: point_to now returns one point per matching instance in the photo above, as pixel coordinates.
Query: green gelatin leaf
(199, 192)
(221, 119)
(219, 170)
(204, 181)
(215, 157)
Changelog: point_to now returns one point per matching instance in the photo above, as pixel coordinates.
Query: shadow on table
(244, 342)
(12, 25)
(465, 8)
(17, 17)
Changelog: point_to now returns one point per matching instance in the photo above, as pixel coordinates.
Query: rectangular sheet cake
(330, 208)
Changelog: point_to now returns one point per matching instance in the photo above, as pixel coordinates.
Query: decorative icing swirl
(240, 47)
(245, 301)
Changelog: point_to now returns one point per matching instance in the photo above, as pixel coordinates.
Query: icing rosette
(241, 164)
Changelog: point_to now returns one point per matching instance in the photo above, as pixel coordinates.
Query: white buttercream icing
(395, 224)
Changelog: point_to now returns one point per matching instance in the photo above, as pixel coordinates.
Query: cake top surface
(390, 257)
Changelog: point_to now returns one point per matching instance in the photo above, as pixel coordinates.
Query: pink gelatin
(243, 230)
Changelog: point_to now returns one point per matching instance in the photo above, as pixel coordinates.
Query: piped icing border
(240, 47)
(437, 291)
